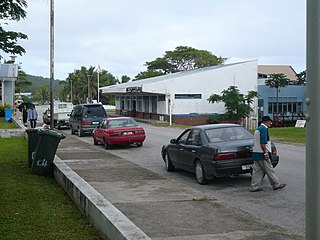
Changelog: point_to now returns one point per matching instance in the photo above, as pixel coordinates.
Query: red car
(118, 131)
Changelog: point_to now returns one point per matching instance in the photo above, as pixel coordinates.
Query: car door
(176, 152)
(100, 131)
(191, 149)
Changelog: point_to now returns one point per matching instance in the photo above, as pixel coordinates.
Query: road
(285, 208)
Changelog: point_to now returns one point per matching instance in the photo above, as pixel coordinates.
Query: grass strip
(6, 125)
(35, 207)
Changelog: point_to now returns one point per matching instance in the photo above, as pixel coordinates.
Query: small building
(8, 76)
(182, 97)
(291, 98)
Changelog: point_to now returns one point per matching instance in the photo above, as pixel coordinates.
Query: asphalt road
(285, 208)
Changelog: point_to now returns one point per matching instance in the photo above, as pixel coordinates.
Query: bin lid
(51, 133)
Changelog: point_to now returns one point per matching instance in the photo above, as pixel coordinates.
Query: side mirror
(173, 141)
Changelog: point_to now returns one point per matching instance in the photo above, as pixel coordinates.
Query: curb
(107, 219)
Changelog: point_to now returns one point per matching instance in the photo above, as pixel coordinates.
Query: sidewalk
(125, 201)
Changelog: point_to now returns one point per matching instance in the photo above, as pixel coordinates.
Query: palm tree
(277, 81)
(22, 80)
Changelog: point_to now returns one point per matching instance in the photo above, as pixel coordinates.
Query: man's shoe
(255, 190)
(280, 186)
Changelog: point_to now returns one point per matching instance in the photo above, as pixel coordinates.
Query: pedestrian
(24, 115)
(261, 158)
(32, 116)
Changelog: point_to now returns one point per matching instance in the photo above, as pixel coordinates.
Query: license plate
(127, 133)
(246, 167)
(95, 122)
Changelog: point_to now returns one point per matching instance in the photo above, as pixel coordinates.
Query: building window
(154, 104)
(161, 98)
(146, 103)
(285, 107)
(187, 96)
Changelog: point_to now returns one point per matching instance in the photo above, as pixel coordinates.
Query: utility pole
(313, 122)
(98, 72)
(51, 63)
(88, 75)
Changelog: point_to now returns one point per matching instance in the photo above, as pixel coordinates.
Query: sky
(121, 35)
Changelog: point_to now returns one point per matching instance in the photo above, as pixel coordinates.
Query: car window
(227, 134)
(118, 123)
(182, 139)
(194, 138)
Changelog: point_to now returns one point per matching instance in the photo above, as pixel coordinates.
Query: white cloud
(122, 35)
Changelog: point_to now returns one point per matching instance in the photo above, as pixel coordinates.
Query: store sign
(133, 89)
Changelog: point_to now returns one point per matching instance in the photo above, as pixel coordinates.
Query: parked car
(212, 151)
(85, 118)
(119, 131)
(61, 114)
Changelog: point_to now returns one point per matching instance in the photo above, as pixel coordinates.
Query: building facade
(182, 97)
(8, 76)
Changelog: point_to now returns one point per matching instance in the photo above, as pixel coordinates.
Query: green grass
(288, 134)
(6, 125)
(35, 207)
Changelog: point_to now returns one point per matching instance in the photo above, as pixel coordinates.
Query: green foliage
(3, 107)
(125, 79)
(12, 10)
(288, 134)
(181, 59)
(277, 80)
(42, 94)
(301, 78)
(35, 207)
(236, 104)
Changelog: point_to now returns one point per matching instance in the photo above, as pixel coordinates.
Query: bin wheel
(80, 132)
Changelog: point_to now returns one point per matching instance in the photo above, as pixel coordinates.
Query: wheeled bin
(47, 145)
(33, 135)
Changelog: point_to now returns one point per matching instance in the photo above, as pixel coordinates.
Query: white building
(8, 75)
(182, 97)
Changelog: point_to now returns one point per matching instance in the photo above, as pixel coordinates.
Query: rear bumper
(125, 140)
(234, 167)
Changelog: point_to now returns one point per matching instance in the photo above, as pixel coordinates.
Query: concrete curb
(18, 132)
(108, 220)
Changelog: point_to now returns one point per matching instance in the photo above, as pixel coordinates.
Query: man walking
(261, 158)
(32, 117)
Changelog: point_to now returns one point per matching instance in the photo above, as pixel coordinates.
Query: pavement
(123, 200)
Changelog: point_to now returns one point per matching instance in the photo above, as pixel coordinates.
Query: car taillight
(85, 122)
(115, 133)
(274, 150)
(139, 132)
(224, 156)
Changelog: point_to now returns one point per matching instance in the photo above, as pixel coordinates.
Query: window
(183, 138)
(154, 104)
(194, 138)
(187, 96)
(161, 98)
(146, 103)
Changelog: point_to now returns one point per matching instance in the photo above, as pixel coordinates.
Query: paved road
(285, 208)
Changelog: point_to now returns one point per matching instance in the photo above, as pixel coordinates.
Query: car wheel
(106, 145)
(200, 175)
(72, 130)
(169, 165)
(140, 144)
(95, 142)
(80, 132)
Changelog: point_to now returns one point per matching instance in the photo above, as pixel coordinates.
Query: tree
(42, 94)
(301, 78)
(236, 104)
(21, 81)
(183, 58)
(12, 10)
(277, 81)
(125, 79)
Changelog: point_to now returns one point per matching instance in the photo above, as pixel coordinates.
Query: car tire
(168, 163)
(72, 130)
(140, 144)
(95, 142)
(80, 132)
(106, 145)
(200, 174)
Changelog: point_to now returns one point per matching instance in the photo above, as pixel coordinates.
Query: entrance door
(134, 108)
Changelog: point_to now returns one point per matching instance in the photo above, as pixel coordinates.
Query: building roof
(121, 87)
(271, 69)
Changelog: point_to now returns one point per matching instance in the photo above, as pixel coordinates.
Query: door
(176, 152)
(191, 149)
(134, 108)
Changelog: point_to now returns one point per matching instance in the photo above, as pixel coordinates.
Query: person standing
(261, 158)
(32, 116)
(24, 115)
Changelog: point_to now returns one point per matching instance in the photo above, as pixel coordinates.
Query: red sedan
(119, 131)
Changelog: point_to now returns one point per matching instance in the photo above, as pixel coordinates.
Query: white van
(61, 114)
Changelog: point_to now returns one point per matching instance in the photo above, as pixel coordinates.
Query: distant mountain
(37, 81)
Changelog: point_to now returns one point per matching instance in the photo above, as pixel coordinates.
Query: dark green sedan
(212, 150)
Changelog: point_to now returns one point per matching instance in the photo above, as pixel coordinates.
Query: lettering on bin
(42, 163)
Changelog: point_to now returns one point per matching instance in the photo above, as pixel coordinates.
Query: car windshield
(117, 123)
(227, 134)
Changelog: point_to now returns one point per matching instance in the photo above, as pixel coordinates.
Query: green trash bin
(33, 135)
(47, 145)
